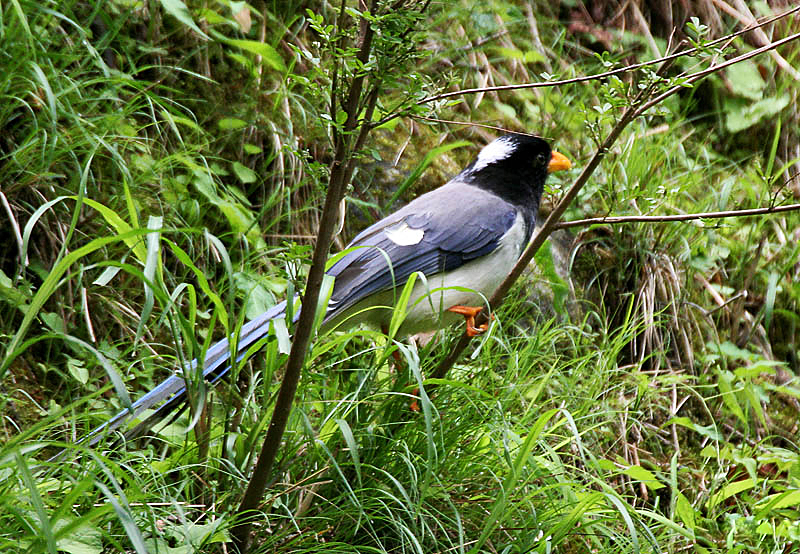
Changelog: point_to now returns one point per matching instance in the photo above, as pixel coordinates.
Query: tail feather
(172, 391)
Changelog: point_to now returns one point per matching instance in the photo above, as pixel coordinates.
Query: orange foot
(414, 406)
(469, 313)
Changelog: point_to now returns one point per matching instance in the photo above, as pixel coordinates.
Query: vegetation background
(163, 164)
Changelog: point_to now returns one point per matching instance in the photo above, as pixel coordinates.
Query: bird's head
(515, 167)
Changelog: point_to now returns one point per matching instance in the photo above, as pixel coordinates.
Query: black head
(515, 168)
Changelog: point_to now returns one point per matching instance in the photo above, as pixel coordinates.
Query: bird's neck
(518, 189)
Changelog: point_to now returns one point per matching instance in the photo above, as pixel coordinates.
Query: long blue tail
(171, 393)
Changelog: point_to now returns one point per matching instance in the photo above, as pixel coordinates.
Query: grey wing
(439, 231)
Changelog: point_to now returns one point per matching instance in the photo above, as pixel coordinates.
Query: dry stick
(337, 183)
(628, 115)
(745, 16)
(677, 217)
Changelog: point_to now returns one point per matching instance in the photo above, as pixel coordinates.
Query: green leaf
(769, 304)
(733, 352)
(725, 383)
(239, 217)
(729, 490)
(686, 512)
(268, 54)
(401, 309)
(709, 431)
(179, 11)
(352, 447)
(757, 368)
(78, 370)
(742, 117)
(84, 540)
(786, 499)
(745, 80)
(120, 226)
(105, 278)
(53, 321)
(244, 173)
(186, 121)
(231, 123)
(242, 60)
(152, 270)
(645, 476)
(212, 16)
(282, 334)
(258, 292)
(202, 281)
(11, 294)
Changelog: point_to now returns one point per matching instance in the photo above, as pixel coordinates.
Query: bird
(461, 240)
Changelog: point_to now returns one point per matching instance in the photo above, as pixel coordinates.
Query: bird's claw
(469, 313)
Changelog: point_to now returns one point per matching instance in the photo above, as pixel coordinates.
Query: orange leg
(469, 313)
(414, 406)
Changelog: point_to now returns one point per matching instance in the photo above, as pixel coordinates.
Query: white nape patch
(498, 149)
(403, 235)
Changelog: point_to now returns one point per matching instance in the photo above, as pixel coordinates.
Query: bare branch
(713, 69)
(341, 169)
(626, 69)
(636, 108)
(746, 18)
(676, 217)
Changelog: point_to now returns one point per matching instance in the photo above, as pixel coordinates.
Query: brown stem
(677, 217)
(340, 170)
(607, 74)
(541, 235)
(637, 108)
(713, 69)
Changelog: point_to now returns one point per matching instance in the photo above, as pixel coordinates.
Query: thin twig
(713, 69)
(676, 217)
(626, 69)
(745, 17)
(636, 108)
(341, 169)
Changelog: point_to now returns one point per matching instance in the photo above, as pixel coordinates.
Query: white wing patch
(403, 235)
(498, 149)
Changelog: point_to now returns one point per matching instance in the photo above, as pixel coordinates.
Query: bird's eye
(541, 159)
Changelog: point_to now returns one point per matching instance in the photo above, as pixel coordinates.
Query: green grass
(633, 400)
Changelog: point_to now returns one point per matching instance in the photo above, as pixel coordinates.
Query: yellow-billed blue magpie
(463, 237)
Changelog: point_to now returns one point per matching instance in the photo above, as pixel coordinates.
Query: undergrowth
(162, 168)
